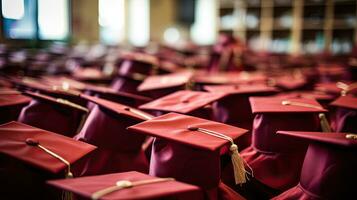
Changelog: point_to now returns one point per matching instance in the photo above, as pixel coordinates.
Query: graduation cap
(189, 148)
(229, 78)
(133, 100)
(288, 82)
(11, 103)
(133, 70)
(275, 160)
(323, 98)
(161, 85)
(29, 156)
(128, 185)
(336, 88)
(119, 149)
(234, 108)
(344, 114)
(185, 102)
(58, 91)
(53, 114)
(329, 168)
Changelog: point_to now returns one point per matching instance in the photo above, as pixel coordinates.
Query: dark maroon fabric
(124, 84)
(190, 165)
(344, 120)
(50, 117)
(276, 161)
(329, 172)
(10, 113)
(118, 150)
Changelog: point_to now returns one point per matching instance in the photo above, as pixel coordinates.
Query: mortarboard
(58, 91)
(276, 161)
(336, 88)
(11, 103)
(29, 156)
(329, 168)
(125, 98)
(234, 108)
(91, 75)
(53, 114)
(185, 102)
(118, 149)
(323, 98)
(344, 114)
(161, 85)
(134, 68)
(288, 82)
(128, 185)
(188, 149)
(229, 78)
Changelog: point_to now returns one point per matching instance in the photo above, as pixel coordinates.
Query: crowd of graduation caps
(119, 114)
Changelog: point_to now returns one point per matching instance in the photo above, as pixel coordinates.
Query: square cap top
(345, 102)
(284, 105)
(109, 91)
(42, 86)
(165, 81)
(307, 95)
(10, 97)
(229, 78)
(241, 89)
(55, 101)
(183, 101)
(288, 82)
(341, 139)
(181, 129)
(119, 109)
(17, 140)
(149, 189)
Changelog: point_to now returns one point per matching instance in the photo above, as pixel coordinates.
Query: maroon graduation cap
(118, 150)
(276, 161)
(329, 168)
(53, 114)
(189, 149)
(29, 156)
(344, 114)
(128, 185)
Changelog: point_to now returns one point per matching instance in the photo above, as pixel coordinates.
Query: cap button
(185, 101)
(32, 142)
(192, 128)
(127, 109)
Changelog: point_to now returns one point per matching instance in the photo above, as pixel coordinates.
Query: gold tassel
(324, 123)
(240, 174)
(238, 165)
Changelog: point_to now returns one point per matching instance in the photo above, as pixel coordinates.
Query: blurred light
(139, 19)
(53, 19)
(203, 31)
(13, 9)
(111, 21)
(171, 35)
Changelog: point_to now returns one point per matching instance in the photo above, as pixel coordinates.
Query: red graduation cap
(29, 156)
(53, 114)
(134, 68)
(188, 149)
(185, 102)
(329, 168)
(234, 108)
(344, 114)
(128, 185)
(161, 85)
(119, 149)
(11, 103)
(276, 161)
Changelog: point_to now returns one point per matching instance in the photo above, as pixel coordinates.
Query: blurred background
(279, 26)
